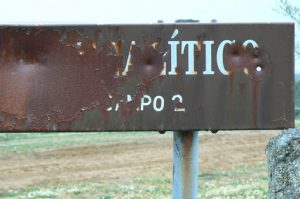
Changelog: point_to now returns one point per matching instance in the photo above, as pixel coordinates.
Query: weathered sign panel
(146, 77)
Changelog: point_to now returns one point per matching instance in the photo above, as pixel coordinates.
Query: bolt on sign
(146, 77)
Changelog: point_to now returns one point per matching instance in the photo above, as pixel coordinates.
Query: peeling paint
(77, 78)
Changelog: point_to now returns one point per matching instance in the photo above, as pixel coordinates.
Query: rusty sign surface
(146, 77)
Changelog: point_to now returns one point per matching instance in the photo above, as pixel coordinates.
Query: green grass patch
(28, 142)
(136, 188)
(243, 182)
(297, 123)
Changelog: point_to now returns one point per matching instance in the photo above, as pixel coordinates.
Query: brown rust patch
(147, 63)
(51, 76)
(247, 64)
(247, 60)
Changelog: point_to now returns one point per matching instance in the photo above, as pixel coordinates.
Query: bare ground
(123, 160)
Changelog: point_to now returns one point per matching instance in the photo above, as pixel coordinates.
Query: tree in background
(292, 11)
(288, 9)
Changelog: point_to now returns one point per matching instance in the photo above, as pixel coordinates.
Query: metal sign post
(185, 164)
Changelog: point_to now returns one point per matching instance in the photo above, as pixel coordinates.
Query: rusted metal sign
(146, 77)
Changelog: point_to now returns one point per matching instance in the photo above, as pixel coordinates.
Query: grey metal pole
(185, 164)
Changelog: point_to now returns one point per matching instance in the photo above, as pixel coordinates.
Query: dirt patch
(128, 159)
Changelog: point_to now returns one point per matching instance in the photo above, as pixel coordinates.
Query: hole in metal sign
(258, 68)
(148, 61)
(235, 52)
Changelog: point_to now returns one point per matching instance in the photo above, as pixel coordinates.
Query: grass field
(30, 142)
(242, 182)
(297, 123)
(247, 180)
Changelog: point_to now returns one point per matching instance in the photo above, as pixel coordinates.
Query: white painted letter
(124, 73)
(250, 41)
(191, 57)
(179, 98)
(129, 98)
(173, 52)
(145, 102)
(162, 103)
(164, 70)
(173, 57)
(208, 70)
(220, 61)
